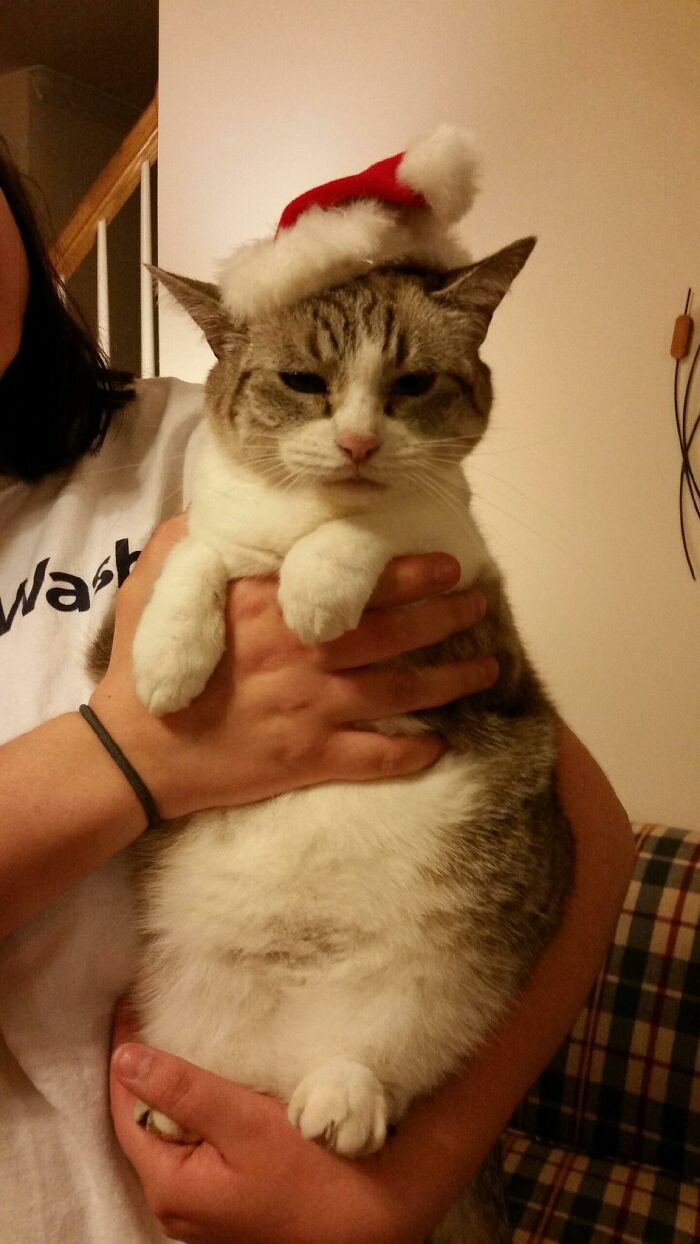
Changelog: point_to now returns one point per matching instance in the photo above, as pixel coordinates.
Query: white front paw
(319, 605)
(162, 1126)
(342, 1103)
(173, 660)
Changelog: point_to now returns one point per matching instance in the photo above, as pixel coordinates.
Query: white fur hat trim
(326, 246)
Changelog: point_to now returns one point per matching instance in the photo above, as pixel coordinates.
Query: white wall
(588, 115)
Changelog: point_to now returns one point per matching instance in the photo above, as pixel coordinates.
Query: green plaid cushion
(556, 1195)
(626, 1082)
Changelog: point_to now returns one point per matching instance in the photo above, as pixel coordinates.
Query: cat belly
(313, 926)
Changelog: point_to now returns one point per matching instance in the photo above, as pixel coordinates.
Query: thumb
(202, 1103)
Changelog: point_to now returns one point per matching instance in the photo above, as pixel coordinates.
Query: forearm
(444, 1138)
(397, 1195)
(66, 808)
(274, 716)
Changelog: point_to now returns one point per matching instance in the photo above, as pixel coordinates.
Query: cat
(346, 947)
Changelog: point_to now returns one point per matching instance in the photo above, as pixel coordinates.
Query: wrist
(67, 810)
(151, 747)
(143, 794)
(120, 808)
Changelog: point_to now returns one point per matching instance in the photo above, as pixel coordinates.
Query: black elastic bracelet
(139, 787)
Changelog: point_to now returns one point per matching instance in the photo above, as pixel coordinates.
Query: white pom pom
(326, 247)
(444, 169)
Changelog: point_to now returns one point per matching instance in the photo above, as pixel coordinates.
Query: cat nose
(358, 445)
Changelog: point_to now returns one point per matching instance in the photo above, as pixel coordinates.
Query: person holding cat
(72, 523)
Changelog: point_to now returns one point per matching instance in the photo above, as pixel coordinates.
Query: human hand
(256, 1181)
(252, 1178)
(277, 715)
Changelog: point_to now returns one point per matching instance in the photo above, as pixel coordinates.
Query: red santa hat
(405, 209)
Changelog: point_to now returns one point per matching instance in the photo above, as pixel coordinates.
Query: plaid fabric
(626, 1083)
(559, 1196)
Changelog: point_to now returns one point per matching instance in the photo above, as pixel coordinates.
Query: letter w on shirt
(26, 601)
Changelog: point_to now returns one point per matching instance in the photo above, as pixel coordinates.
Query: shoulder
(162, 417)
(166, 398)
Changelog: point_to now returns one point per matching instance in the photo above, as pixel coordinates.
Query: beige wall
(588, 117)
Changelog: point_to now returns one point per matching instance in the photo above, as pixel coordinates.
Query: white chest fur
(292, 934)
(273, 521)
(296, 929)
(329, 553)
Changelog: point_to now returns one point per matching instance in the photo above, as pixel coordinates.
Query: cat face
(368, 386)
(373, 385)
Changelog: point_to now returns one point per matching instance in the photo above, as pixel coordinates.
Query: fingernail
(480, 603)
(488, 670)
(446, 569)
(132, 1063)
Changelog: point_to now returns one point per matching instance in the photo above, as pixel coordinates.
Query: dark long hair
(58, 396)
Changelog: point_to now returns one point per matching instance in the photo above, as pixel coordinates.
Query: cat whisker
(516, 446)
(545, 537)
(437, 489)
(444, 461)
(458, 439)
(496, 535)
(424, 452)
(442, 486)
(174, 492)
(262, 460)
(518, 492)
(131, 466)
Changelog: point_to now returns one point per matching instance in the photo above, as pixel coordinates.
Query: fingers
(408, 579)
(200, 1102)
(153, 1158)
(164, 1170)
(163, 539)
(125, 1023)
(150, 560)
(371, 694)
(386, 633)
(357, 755)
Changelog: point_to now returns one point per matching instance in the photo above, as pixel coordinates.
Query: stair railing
(87, 227)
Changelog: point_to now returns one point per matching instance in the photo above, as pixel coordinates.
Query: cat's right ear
(477, 290)
(202, 302)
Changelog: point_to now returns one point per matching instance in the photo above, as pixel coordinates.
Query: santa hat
(404, 210)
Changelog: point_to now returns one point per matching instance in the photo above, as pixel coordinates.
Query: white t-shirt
(65, 545)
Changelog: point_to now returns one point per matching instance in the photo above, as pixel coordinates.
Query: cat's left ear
(477, 290)
(202, 301)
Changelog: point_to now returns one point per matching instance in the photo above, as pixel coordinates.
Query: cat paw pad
(342, 1104)
(165, 690)
(319, 617)
(170, 668)
(162, 1126)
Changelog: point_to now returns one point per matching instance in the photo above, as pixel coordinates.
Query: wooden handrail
(108, 193)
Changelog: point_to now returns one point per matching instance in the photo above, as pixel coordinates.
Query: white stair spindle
(102, 289)
(147, 338)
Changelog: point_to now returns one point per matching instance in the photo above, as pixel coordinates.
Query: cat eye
(304, 381)
(414, 383)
